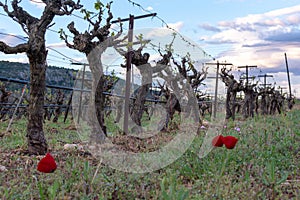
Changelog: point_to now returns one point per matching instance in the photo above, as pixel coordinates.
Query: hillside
(54, 75)
(57, 76)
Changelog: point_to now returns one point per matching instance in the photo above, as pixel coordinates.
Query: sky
(241, 32)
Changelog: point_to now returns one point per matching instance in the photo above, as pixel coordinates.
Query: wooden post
(132, 79)
(81, 90)
(265, 79)
(288, 75)
(217, 85)
(281, 90)
(20, 100)
(128, 64)
(128, 74)
(265, 85)
(68, 107)
(247, 72)
(216, 90)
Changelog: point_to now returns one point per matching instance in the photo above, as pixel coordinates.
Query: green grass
(263, 165)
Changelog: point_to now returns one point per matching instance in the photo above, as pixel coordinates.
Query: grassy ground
(265, 164)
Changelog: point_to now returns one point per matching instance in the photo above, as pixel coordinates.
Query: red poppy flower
(217, 141)
(230, 141)
(47, 164)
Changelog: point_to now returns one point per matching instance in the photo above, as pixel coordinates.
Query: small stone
(70, 146)
(3, 168)
(73, 147)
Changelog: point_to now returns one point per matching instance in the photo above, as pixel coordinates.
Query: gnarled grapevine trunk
(35, 135)
(35, 48)
(138, 105)
(96, 102)
(100, 103)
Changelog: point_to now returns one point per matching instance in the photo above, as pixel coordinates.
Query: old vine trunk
(35, 135)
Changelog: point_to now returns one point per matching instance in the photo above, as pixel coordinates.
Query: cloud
(149, 8)
(283, 11)
(293, 19)
(281, 67)
(256, 45)
(233, 36)
(57, 45)
(259, 39)
(273, 20)
(21, 57)
(209, 27)
(38, 3)
(289, 36)
(12, 39)
(176, 26)
(164, 31)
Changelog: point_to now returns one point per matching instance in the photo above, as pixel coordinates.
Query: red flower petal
(47, 164)
(217, 141)
(230, 141)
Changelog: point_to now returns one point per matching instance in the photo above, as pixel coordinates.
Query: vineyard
(149, 114)
(256, 100)
(265, 161)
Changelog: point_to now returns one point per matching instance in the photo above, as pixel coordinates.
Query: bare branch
(20, 16)
(85, 42)
(101, 33)
(21, 48)
(66, 8)
(162, 64)
(54, 8)
(181, 67)
(72, 29)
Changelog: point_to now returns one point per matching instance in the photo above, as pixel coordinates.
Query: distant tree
(249, 100)
(233, 86)
(265, 94)
(277, 100)
(35, 48)
(291, 102)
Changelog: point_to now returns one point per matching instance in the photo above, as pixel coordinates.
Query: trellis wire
(20, 100)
